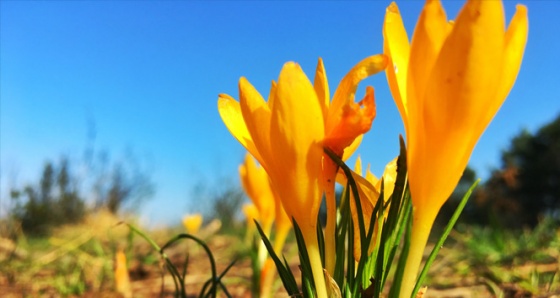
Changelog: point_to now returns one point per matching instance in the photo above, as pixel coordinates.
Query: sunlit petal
(348, 151)
(397, 49)
(286, 135)
(458, 77)
(515, 40)
(429, 35)
(297, 152)
(389, 178)
(346, 91)
(461, 86)
(257, 118)
(251, 214)
(230, 112)
(192, 223)
(272, 95)
(321, 86)
(465, 76)
(354, 119)
(256, 184)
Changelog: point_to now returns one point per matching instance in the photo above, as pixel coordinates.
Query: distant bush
(63, 197)
(54, 201)
(222, 201)
(523, 191)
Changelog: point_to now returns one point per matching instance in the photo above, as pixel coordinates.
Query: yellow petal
(257, 118)
(429, 35)
(353, 120)
(397, 49)
(282, 221)
(251, 213)
(389, 178)
(230, 112)
(282, 226)
(348, 151)
(514, 47)
(122, 278)
(358, 166)
(515, 40)
(297, 128)
(346, 90)
(462, 86)
(255, 182)
(368, 198)
(372, 178)
(473, 73)
(192, 223)
(271, 95)
(468, 69)
(321, 86)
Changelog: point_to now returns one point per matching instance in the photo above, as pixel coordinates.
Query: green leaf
(353, 187)
(286, 275)
(213, 279)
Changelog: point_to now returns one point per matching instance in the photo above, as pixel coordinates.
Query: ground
(78, 262)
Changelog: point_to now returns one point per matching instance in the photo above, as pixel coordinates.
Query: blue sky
(148, 75)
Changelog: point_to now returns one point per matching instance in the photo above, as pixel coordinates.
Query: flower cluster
(448, 83)
(267, 209)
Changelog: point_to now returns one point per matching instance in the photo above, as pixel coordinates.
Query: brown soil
(153, 280)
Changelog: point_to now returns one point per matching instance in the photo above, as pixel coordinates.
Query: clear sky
(148, 74)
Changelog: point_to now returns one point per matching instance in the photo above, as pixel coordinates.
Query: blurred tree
(124, 186)
(47, 181)
(494, 203)
(227, 207)
(223, 201)
(53, 202)
(71, 205)
(527, 186)
(118, 192)
(60, 195)
(534, 161)
(470, 212)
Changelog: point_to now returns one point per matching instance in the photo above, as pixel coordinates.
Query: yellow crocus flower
(448, 84)
(369, 189)
(256, 184)
(285, 134)
(192, 223)
(345, 123)
(345, 119)
(251, 214)
(282, 226)
(122, 277)
(267, 209)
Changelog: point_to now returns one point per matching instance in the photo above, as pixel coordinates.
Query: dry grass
(78, 261)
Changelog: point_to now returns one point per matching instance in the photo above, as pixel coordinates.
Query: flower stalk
(448, 84)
